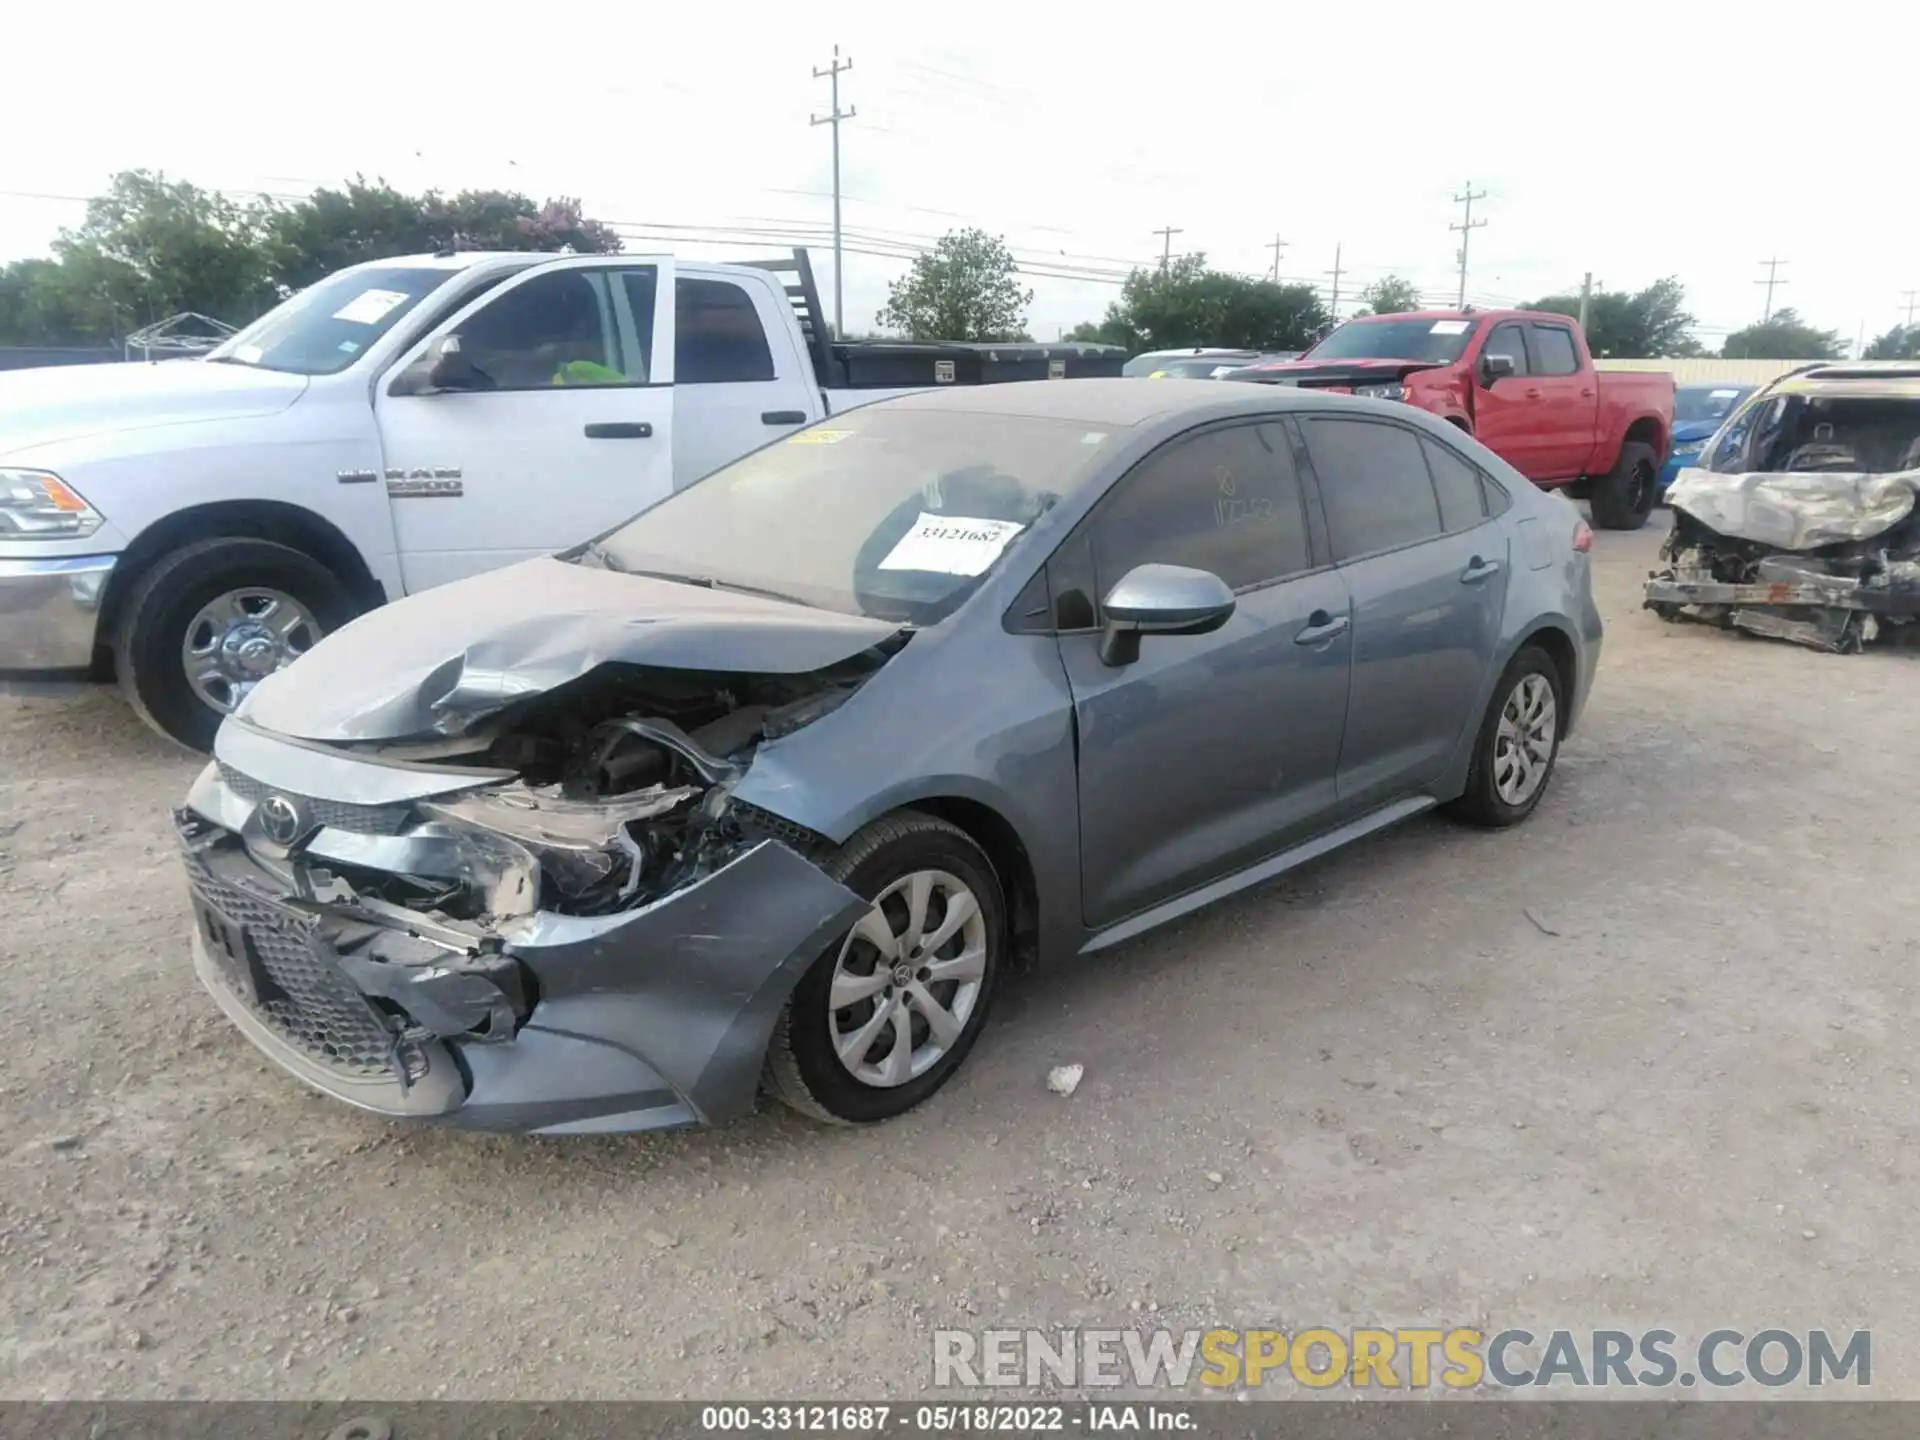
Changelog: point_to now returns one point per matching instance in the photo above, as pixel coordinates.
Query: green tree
(1648, 324)
(1088, 332)
(1187, 303)
(1783, 337)
(965, 288)
(152, 247)
(1389, 295)
(1902, 342)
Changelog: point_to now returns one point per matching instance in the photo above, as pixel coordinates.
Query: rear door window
(718, 338)
(1554, 351)
(1374, 486)
(1456, 484)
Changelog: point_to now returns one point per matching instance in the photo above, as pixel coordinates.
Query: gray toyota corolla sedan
(772, 784)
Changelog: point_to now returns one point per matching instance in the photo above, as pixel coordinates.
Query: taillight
(1582, 536)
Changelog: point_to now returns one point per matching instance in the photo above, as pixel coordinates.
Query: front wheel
(210, 621)
(1622, 499)
(1519, 740)
(887, 1013)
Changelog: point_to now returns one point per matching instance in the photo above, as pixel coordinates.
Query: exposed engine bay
(1822, 551)
(621, 790)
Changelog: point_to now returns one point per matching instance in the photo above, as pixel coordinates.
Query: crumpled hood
(436, 662)
(1326, 374)
(1798, 510)
(67, 402)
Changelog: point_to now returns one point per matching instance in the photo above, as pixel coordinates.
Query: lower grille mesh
(309, 1000)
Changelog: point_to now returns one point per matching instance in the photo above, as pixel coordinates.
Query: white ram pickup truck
(191, 526)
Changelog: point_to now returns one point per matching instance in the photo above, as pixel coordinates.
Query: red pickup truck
(1521, 383)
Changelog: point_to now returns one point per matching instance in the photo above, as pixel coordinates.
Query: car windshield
(1694, 404)
(1437, 341)
(1164, 361)
(1196, 369)
(893, 513)
(328, 326)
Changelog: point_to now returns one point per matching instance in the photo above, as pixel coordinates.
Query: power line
(1772, 280)
(834, 117)
(1466, 228)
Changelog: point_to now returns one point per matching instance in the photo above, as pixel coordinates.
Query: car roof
(1884, 379)
(1118, 400)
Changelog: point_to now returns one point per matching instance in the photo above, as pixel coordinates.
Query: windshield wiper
(709, 582)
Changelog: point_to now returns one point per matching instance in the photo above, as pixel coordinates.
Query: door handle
(620, 430)
(1478, 570)
(1586, 394)
(1322, 629)
(783, 417)
(1533, 394)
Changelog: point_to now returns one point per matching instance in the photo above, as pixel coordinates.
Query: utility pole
(1913, 298)
(1466, 227)
(1586, 298)
(1166, 234)
(1333, 305)
(833, 118)
(1772, 280)
(1276, 247)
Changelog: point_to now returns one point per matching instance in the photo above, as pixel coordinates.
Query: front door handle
(1322, 629)
(1533, 394)
(783, 417)
(620, 430)
(1478, 570)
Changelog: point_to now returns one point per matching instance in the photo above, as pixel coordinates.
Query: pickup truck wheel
(1623, 498)
(211, 620)
(1518, 742)
(887, 1013)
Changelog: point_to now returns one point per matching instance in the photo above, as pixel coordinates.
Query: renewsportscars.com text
(1402, 1358)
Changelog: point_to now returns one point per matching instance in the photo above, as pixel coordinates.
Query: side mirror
(1160, 600)
(1495, 367)
(443, 367)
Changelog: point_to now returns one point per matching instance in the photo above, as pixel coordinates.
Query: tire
(152, 631)
(1482, 803)
(1623, 498)
(803, 1066)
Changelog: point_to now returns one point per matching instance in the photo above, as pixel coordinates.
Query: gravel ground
(1639, 1062)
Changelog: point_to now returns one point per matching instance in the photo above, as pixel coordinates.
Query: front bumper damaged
(651, 1017)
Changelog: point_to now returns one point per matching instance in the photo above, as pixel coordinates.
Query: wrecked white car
(1799, 522)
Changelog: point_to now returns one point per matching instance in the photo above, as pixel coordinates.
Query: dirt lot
(1644, 1061)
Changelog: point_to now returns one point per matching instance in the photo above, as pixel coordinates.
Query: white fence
(1709, 371)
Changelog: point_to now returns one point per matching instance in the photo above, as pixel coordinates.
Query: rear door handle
(620, 430)
(783, 417)
(1478, 570)
(1322, 629)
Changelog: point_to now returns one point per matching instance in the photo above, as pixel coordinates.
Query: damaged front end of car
(561, 919)
(1801, 523)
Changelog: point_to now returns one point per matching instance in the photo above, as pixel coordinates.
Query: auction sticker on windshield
(370, 307)
(818, 437)
(1451, 327)
(951, 545)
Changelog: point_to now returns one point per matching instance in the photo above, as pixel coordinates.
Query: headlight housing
(1394, 391)
(38, 504)
(1684, 448)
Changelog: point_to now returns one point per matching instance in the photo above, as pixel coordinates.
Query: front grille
(333, 814)
(757, 822)
(306, 996)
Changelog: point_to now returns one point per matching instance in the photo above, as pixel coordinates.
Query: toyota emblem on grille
(281, 819)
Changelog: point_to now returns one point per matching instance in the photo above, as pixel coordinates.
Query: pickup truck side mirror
(1495, 367)
(443, 367)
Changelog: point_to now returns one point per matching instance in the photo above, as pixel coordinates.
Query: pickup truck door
(741, 376)
(1566, 399)
(569, 430)
(1506, 413)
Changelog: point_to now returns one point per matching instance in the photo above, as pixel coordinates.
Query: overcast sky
(1633, 141)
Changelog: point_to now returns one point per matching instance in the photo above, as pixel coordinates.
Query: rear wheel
(1623, 498)
(211, 620)
(888, 1012)
(1519, 740)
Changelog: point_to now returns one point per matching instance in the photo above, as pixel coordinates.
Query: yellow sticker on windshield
(1158, 375)
(818, 437)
